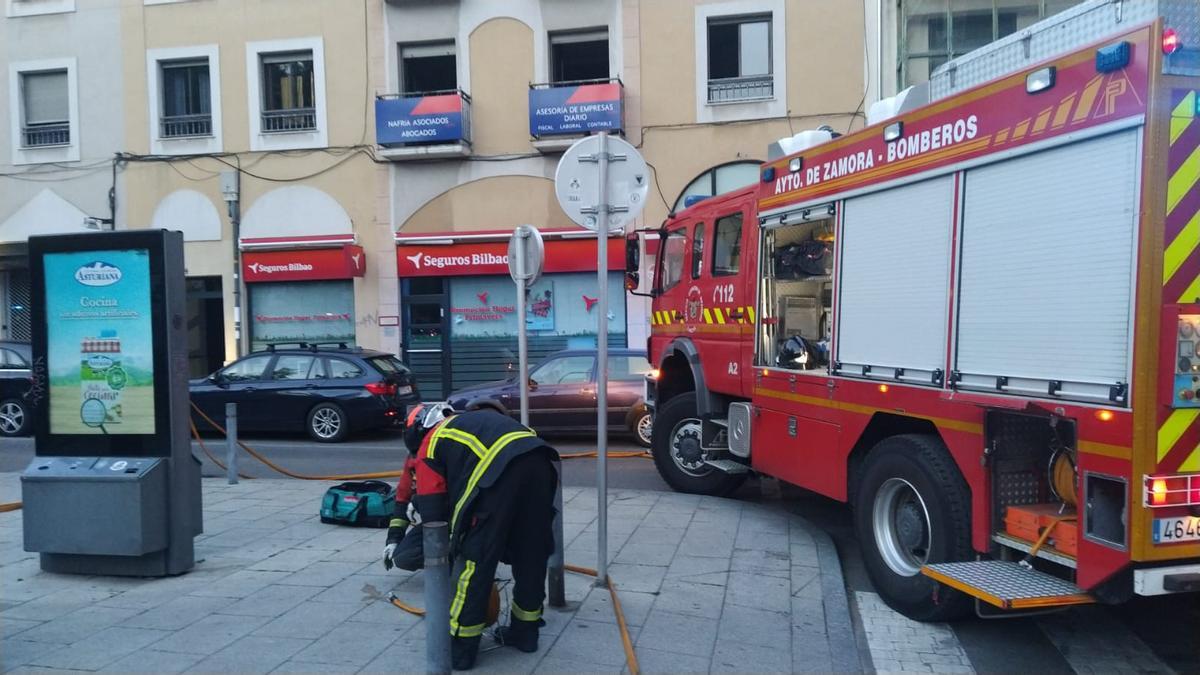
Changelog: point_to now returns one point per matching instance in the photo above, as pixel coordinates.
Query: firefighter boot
(520, 634)
(463, 651)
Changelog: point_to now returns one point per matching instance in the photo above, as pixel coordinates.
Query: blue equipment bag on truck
(364, 504)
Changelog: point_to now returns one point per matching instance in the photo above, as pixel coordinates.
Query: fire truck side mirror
(633, 256)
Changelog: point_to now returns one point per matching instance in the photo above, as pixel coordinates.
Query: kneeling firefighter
(404, 547)
(493, 480)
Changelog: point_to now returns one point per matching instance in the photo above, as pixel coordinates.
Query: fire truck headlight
(1040, 80)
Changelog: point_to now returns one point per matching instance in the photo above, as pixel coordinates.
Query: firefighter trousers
(511, 522)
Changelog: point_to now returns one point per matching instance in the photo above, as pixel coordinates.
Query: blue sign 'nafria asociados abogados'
(420, 119)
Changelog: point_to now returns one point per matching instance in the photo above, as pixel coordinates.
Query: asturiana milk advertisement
(99, 342)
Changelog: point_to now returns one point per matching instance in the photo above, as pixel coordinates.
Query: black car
(562, 393)
(329, 392)
(15, 381)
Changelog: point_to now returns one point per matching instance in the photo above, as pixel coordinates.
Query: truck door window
(796, 299)
(673, 250)
(727, 246)
(698, 251)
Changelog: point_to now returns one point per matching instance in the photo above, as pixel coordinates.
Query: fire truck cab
(976, 320)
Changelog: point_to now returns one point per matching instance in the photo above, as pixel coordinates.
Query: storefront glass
(301, 311)
(562, 315)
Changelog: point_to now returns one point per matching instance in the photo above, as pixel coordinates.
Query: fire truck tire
(912, 507)
(675, 445)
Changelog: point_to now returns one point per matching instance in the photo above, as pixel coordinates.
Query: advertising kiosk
(114, 488)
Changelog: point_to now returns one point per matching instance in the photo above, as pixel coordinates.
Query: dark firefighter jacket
(463, 455)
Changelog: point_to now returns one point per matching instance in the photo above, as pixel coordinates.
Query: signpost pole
(522, 330)
(602, 362)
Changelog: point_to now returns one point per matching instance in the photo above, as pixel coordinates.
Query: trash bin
(95, 506)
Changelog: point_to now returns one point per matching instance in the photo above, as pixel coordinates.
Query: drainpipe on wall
(231, 191)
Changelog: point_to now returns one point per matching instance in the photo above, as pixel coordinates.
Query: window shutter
(46, 98)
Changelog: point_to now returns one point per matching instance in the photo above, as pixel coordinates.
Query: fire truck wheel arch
(682, 354)
(911, 508)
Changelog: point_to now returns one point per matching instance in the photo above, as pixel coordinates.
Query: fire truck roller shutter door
(1047, 267)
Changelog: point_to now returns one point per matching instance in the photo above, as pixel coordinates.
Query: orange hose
(291, 474)
(630, 656)
(11, 506)
(211, 458)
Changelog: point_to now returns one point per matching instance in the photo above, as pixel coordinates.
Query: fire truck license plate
(1171, 530)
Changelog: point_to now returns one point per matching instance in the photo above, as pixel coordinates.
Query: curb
(840, 630)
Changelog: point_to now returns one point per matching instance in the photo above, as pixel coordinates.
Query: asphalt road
(1168, 625)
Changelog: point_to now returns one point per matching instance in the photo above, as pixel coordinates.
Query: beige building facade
(240, 113)
(701, 89)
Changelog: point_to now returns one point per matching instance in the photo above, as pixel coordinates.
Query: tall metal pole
(602, 364)
(522, 331)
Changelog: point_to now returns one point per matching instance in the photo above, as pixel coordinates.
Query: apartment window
(427, 68)
(739, 59)
(579, 56)
(935, 31)
(186, 99)
(45, 103)
(288, 98)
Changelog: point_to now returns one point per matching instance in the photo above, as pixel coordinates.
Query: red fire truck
(976, 320)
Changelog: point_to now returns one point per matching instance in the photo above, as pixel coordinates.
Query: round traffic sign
(526, 254)
(577, 182)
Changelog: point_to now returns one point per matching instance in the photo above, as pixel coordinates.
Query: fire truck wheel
(677, 453)
(913, 507)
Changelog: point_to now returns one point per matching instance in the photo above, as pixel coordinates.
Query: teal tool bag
(365, 504)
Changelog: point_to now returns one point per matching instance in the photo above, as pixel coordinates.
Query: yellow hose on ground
(11, 506)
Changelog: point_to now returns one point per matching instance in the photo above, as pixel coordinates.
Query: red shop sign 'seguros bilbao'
(491, 257)
(316, 264)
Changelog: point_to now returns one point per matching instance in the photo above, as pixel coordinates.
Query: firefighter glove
(388, 552)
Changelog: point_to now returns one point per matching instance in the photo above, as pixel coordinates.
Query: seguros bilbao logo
(422, 259)
(98, 273)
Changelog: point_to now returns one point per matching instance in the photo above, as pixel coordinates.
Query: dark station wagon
(327, 391)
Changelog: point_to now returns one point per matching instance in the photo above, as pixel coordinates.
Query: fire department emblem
(693, 309)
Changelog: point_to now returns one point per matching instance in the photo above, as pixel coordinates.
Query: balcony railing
(730, 89)
(293, 119)
(46, 134)
(184, 126)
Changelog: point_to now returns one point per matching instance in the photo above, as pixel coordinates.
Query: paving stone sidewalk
(707, 585)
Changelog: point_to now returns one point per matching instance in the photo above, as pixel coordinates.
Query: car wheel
(912, 508)
(675, 445)
(327, 423)
(643, 429)
(14, 417)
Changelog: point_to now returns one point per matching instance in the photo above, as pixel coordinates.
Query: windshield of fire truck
(796, 299)
(674, 250)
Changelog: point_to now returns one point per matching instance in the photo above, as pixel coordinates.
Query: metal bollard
(231, 443)
(437, 596)
(554, 574)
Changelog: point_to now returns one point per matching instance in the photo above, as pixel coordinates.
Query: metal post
(231, 441)
(555, 579)
(522, 330)
(437, 597)
(602, 363)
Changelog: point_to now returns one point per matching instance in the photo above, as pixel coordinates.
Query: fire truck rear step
(1007, 585)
